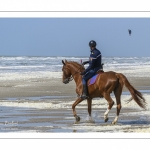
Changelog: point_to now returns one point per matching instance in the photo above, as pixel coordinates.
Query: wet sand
(52, 87)
(44, 105)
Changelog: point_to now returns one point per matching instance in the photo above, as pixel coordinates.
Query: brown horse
(106, 83)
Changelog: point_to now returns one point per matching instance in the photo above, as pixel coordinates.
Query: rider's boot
(85, 92)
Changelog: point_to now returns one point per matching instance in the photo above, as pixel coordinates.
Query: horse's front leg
(73, 107)
(89, 102)
(79, 90)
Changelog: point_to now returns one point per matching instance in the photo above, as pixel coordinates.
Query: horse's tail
(136, 95)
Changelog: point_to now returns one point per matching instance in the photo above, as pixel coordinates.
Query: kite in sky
(129, 32)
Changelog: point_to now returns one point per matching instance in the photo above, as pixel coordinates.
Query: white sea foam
(55, 104)
(30, 75)
(48, 67)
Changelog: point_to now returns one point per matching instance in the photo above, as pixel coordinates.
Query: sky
(70, 36)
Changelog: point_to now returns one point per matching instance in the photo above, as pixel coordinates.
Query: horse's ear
(63, 62)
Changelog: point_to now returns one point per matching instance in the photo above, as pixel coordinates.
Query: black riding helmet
(92, 43)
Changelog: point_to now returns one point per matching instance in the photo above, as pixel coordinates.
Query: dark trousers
(85, 78)
(88, 75)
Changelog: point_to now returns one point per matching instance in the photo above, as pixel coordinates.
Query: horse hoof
(113, 123)
(106, 119)
(77, 118)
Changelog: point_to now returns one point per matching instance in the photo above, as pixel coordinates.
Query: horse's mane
(77, 65)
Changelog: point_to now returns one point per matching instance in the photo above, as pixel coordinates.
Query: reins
(71, 77)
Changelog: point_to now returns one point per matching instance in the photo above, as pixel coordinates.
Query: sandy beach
(44, 105)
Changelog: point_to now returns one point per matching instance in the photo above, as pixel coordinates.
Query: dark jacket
(94, 61)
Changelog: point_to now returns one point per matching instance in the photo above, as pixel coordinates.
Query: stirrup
(83, 96)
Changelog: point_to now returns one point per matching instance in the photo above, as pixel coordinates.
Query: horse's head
(70, 70)
(66, 72)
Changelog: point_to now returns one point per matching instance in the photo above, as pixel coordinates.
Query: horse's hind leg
(89, 102)
(117, 93)
(110, 103)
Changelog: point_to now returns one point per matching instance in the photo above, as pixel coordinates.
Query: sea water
(16, 68)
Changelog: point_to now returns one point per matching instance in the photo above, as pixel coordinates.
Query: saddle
(94, 78)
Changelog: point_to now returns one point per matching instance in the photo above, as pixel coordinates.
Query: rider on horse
(94, 66)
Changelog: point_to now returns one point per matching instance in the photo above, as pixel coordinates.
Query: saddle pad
(93, 79)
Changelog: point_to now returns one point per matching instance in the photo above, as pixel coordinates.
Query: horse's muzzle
(66, 81)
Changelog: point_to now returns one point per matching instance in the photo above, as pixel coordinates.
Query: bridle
(68, 79)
